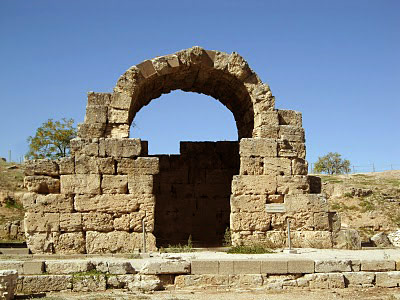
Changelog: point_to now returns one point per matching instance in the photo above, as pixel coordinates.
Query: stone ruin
(99, 199)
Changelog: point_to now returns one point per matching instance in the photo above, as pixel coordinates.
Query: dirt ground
(371, 293)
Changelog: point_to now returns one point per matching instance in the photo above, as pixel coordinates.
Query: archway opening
(195, 138)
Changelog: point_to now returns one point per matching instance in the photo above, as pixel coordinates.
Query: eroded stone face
(99, 199)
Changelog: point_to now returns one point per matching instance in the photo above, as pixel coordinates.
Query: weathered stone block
(312, 239)
(291, 149)
(357, 279)
(290, 117)
(114, 184)
(96, 114)
(95, 221)
(66, 165)
(70, 243)
(300, 266)
(258, 147)
(8, 284)
(253, 184)
(48, 283)
(266, 118)
(321, 221)
(80, 184)
(85, 164)
(84, 146)
(266, 132)
(388, 279)
(42, 222)
(139, 166)
(98, 98)
(118, 203)
(42, 184)
(247, 267)
(123, 222)
(250, 165)
(299, 166)
(347, 239)
(117, 131)
(91, 130)
(248, 203)
(118, 148)
(297, 184)
(47, 203)
(291, 133)
(259, 221)
(70, 222)
(225, 267)
(41, 167)
(156, 267)
(33, 267)
(119, 116)
(274, 267)
(277, 166)
(58, 267)
(89, 283)
(378, 265)
(117, 242)
(204, 267)
(329, 266)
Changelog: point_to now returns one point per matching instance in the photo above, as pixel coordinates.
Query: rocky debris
(381, 240)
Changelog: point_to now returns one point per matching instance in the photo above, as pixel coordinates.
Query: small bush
(253, 249)
(11, 203)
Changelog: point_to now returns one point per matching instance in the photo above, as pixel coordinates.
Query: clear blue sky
(338, 62)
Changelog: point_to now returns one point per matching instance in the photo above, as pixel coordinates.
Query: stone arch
(225, 77)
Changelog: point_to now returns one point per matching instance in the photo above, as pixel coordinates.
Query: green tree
(332, 163)
(52, 139)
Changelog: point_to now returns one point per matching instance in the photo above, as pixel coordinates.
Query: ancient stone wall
(96, 200)
(193, 195)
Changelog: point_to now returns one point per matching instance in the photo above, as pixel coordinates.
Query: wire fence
(367, 168)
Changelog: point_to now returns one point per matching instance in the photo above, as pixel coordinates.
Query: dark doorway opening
(193, 192)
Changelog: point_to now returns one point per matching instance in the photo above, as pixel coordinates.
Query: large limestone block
(312, 239)
(85, 164)
(41, 167)
(290, 117)
(42, 222)
(291, 133)
(33, 284)
(114, 184)
(258, 147)
(251, 165)
(89, 283)
(322, 221)
(98, 98)
(291, 149)
(8, 284)
(47, 203)
(253, 185)
(137, 218)
(91, 130)
(70, 243)
(80, 184)
(157, 267)
(84, 147)
(119, 116)
(122, 222)
(388, 279)
(41, 242)
(306, 203)
(118, 148)
(118, 203)
(266, 132)
(68, 266)
(359, 279)
(116, 242)
(277, 166)
(95, 221)
(297, 184)
(117, 131)
(96, 114)
(139, 166)
(299, 166)
(140, 184)
(347, 239)
(259, 221)
(66, 165)
(248, 203)
(42, 184)
(329, 266)
(266, 118)
(70, 222)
